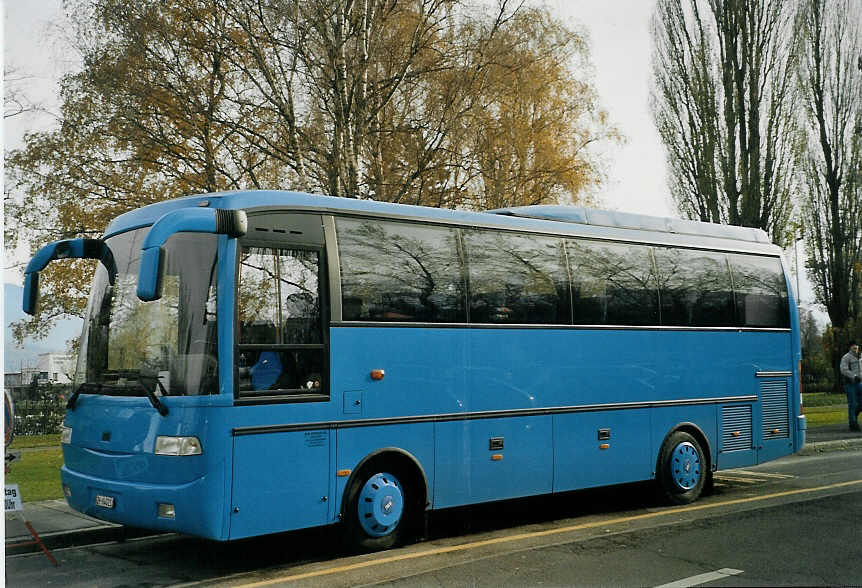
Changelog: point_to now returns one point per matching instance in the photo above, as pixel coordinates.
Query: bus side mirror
(66, 249)
(232, 223)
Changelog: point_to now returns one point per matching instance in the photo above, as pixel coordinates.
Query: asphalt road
(794, 521)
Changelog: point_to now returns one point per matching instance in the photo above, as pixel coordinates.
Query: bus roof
(570, 220)
(628, 220)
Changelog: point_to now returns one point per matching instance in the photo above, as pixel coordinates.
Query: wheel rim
(685, 466)
(381, 504)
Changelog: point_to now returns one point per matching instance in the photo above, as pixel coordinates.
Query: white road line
(702, 578)
(737, 479)
(765, 474)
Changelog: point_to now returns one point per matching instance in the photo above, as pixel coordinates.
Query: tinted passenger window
(695, 288)
(516, 279)
(612, 284)
(400, 272)
(761, 292)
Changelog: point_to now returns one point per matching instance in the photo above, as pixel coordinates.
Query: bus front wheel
(377, 510)
(682, 468)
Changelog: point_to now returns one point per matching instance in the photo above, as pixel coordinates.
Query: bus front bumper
(192, 508)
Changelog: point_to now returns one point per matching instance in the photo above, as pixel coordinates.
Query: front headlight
(178, 446)
(65, 434)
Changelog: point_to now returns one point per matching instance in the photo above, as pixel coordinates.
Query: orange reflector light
(497, 457)
(342, 473)
(605, 446)
(735, 434)
(377, 374)
(776, 431)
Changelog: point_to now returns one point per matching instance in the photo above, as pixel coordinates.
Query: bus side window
(516, 279)
(400, 272)
(612, 284)
(258, 296)
(280, 340)
(760, 291)
(695, 287)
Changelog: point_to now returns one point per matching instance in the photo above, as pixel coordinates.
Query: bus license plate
(104, 501)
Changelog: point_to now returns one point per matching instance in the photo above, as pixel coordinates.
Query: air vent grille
(774, 401)
(736, 428)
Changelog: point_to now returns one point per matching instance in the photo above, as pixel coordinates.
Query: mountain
(15, 356)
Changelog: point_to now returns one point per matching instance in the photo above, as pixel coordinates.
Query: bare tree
(722, 101)
(830, 165)
(15, 100)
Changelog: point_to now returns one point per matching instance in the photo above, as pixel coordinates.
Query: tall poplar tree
(830, 165)
(723, 101)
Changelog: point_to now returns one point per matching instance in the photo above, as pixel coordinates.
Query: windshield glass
(167, 346)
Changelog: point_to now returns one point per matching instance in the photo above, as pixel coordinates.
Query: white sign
(13, 498)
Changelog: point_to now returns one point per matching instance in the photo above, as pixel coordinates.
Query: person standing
(851, 373)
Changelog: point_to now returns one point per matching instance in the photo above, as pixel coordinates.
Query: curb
(829, 446)
(77, 538)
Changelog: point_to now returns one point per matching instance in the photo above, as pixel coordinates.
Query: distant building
(50, 368)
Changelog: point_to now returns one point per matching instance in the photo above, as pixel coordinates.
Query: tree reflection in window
(400, 272)
(278, 296)
(612, 284)
(695, 287)
(761, 291)
(280, 332)
(517, 279)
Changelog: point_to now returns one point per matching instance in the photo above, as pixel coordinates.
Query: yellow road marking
(545, 533)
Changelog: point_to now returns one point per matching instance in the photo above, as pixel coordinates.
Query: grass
(823, 408)
(36, 441)
(37, 474)
(822, 399)
(818, 416)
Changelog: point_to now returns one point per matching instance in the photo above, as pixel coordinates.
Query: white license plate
(104, 501)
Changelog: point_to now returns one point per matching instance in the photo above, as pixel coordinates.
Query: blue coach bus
(256, 362)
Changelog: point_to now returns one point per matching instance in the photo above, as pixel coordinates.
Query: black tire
(365, 516)
(682, 469)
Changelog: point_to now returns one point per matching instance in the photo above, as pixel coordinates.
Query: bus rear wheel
(377, 512)
(682, 469)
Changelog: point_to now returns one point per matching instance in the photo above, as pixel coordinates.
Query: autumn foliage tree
(433, 102)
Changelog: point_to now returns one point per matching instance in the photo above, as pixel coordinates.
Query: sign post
(12, 500)
(12, 495)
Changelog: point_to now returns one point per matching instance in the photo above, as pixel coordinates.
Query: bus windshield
(168, 346)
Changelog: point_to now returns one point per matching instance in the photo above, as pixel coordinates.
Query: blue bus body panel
(583, 460)
(280, 481)
(588, 379)
(469, 471)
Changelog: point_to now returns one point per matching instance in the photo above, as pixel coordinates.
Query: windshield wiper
(151, 394)
(85, 387)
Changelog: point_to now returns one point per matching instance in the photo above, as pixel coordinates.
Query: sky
(620, 48)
